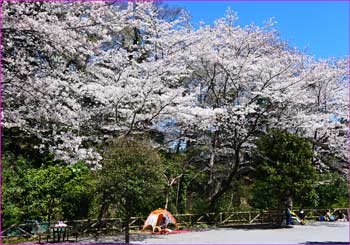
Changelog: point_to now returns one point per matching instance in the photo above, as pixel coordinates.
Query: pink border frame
(19, 1)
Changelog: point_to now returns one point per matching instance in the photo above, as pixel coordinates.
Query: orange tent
(156, 216)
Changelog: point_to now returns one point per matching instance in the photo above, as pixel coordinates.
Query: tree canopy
(283, 170)
(78, 73)
(83, 82)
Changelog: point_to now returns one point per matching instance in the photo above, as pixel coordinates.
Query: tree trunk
(167, 197)
(178, 146)
(281, 213)
(49, 213)
(211, 188)
(285, 202)
(211, 174)
(185, 199)
(127, 228)
(226, 183)
(103, 210)
(177, 201)
(314, 148)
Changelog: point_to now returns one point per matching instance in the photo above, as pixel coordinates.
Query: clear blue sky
(319, 28)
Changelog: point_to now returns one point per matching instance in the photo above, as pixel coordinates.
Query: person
(162, 223)
(295, 217)
(289, 217)
(61, 224)
(338, 215)
(302, 216)
(292, 216)
(329, 216)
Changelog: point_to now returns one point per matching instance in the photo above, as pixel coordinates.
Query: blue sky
(319, 28)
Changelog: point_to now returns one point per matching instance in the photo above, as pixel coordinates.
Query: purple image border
(28, 1)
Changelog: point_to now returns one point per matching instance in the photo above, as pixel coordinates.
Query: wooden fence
(90, 227)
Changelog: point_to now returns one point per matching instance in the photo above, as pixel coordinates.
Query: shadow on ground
(256, 227)
(115, 239)
(328, 242)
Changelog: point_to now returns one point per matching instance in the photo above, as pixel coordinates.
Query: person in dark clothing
(289, 217)
(162, 223)
(339, 215)
(302, 216)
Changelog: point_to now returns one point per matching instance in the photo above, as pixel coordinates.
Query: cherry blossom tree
(46, 49)
(248, 80)
(323, 117)
(76, 74)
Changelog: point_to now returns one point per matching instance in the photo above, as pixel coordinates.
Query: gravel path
(316, 232)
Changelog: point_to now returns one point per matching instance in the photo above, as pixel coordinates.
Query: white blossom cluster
(76, 73)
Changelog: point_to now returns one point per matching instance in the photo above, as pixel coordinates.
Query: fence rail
(115, 225)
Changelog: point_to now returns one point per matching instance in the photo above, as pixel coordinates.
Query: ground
(311, 233)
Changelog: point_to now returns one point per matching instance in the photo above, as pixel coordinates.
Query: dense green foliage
(46, 193)
(332, 191)
(36, 187)
(136, 178)
(131, 176)
(283, 170)
(58, 192)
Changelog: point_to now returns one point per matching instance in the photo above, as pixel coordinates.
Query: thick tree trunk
(281, 213)
(284, 203)
(225, 185)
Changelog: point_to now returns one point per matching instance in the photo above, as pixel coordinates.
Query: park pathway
(316, 232)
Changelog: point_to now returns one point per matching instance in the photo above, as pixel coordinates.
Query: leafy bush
(332, 191)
